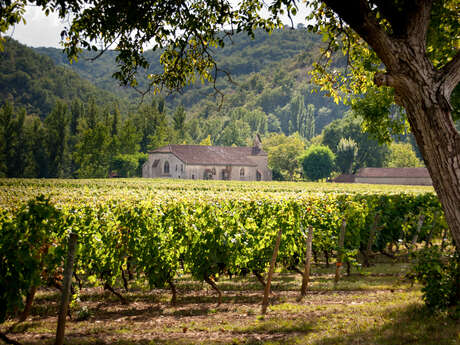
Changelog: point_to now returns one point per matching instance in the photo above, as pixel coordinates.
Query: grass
(373, 306)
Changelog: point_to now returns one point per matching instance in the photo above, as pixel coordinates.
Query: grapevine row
(205, 235)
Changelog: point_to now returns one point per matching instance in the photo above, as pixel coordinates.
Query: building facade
(208, 163)
(397, 176)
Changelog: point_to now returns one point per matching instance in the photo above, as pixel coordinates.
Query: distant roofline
(246, 162)
(407, 172)
(264, 153)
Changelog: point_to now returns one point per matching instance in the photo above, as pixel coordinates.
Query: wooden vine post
(66, 289)
(338, 264)
(270, 273)
(433, 226)
(306, 273)
(371, 239)
(420, 221)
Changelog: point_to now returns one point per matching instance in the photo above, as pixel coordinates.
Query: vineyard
(151, 235)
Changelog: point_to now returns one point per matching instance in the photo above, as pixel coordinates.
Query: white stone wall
(416, 181)
(177, 168)
(262, 166)
(197, 172)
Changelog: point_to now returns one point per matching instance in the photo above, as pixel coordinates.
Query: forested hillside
(269, 76)
(34, 82)
(54, 123)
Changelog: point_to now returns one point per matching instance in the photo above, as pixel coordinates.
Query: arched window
(242, 172)
(166, 167)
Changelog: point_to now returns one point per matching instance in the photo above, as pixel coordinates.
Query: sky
(44, 31)
(40, 30)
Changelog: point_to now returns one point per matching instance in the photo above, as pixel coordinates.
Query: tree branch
(389, 11)
(408, 19)
(417, 20)
(450, 75)
(358, 15)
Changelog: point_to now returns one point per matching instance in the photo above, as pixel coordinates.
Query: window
(166, 167)
(176, 167)
(258, 175)
(242, 172)
(213, 171)
(155, 163)
(182, 168)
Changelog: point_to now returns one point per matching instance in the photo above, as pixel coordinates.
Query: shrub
(318, 162)
(440, 277)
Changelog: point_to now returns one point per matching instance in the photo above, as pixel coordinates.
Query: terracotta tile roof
(393, 172)
(212, 155)
(344, 178)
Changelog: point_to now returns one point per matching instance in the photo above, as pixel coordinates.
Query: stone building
(208, 163)
(401, 176)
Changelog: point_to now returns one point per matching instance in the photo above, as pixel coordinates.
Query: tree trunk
(338, 264)
(326, 257)
(270, 273)
(65, 297)
(423, 90)
(211, 282)
(110, 288)
(259, 278)
(174, 292)
(306, 273)
(440, 147)
(28, 307)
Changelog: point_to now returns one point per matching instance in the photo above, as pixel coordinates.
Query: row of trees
(341, 147)
(82, 141)
(79, 140)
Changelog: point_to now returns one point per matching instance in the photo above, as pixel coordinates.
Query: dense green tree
(236, 132)
(153, 126)
(273, 124)
(381, 117)
(317, 162)
(370, 152)
(256, 119)
(93, 152)
(179, 117)
(56, 140)
(283, 153)
(194, 130)
(36, 155)
(345, 156)
(128, 138)
(11, 141)
(127, 165)
(402, 155)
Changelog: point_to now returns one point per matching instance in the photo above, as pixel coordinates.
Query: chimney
(257, 145)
